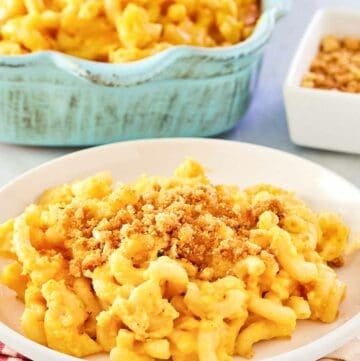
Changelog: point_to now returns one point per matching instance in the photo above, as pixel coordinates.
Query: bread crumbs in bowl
(52, 98)
(322, 84)
(336, 66)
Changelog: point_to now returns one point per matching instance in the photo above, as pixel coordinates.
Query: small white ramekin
(327, 119)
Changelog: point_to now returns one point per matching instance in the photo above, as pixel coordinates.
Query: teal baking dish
(52, 99)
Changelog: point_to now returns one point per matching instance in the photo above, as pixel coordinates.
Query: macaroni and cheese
(170, 268)
(122, 30)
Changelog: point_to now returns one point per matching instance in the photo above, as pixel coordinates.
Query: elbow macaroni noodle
(170, 268)
(119, 31)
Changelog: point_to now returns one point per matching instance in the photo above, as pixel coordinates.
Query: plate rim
(96, 148)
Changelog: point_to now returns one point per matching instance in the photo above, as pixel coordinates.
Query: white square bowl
(327, 119)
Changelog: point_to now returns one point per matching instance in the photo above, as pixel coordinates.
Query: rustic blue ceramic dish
(49, 98)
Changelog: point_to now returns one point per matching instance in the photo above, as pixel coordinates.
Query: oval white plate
(228, 162)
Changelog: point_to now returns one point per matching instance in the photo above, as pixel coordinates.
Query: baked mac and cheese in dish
(170, 268)
(119, 31)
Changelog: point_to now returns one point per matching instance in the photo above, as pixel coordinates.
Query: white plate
(228, 162)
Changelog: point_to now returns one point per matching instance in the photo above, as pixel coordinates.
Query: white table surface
(265, 122)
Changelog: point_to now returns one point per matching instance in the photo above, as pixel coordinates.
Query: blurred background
(264, 123)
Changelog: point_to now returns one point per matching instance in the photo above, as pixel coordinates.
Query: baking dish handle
(278, 7)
